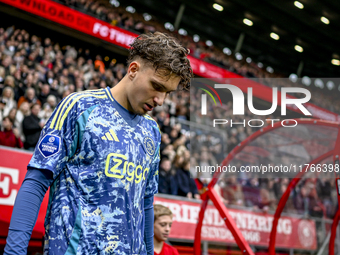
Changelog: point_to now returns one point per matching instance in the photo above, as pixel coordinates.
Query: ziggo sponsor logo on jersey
(133, 172)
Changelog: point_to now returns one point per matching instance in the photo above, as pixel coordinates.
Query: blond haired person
(162, 226)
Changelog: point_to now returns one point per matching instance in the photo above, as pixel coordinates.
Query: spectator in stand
(80, 86)
(8, 99)
(301, 200)
(12, 114)
(162, 228)
(22, 112)
(205, 160)
(169, 152)
(9, 81)
(29, 97)
(232, 191)
(7, 63)
(316, 209)
(99, 64)
(54, 90)
(2, 107)
(10, 136)
(325, 187)
(165, 141)
(251, 191)
(166, 183)
(166, 128)
(45, 92)
(186, 186)
(174, 134)
(48, 108)
(2, 76)
(32, 127)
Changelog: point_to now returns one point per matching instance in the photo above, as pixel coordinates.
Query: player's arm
(57, 143)
(26, 209)
(151, 189)
(149, 219)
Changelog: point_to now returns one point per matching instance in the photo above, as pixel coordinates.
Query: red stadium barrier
(255, 227)
(13, 167)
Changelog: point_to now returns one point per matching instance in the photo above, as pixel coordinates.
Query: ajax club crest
(149, 146)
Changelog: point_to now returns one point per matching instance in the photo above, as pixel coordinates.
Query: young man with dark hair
(99, 154)
(162, 228)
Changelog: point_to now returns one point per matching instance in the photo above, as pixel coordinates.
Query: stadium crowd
(36, 73)
(137, 23)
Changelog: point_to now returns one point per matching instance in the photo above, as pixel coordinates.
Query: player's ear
(134, 67)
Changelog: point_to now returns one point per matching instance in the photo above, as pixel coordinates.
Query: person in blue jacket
(186, 186)
(99, 154)
(167, 183)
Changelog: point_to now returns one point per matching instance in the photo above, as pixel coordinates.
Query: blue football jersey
(104, 162)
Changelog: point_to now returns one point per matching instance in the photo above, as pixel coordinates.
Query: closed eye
(157, 87)
(160, 88)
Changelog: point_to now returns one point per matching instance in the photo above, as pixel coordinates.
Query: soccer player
(99, 154)
(162, 227)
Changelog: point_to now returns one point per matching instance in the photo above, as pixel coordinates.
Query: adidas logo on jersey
(111, 136)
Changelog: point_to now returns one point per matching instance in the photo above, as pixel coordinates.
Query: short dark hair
(7, 117)
(165, 54)
(35, 105)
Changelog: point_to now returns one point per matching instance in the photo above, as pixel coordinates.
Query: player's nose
(159, 98)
